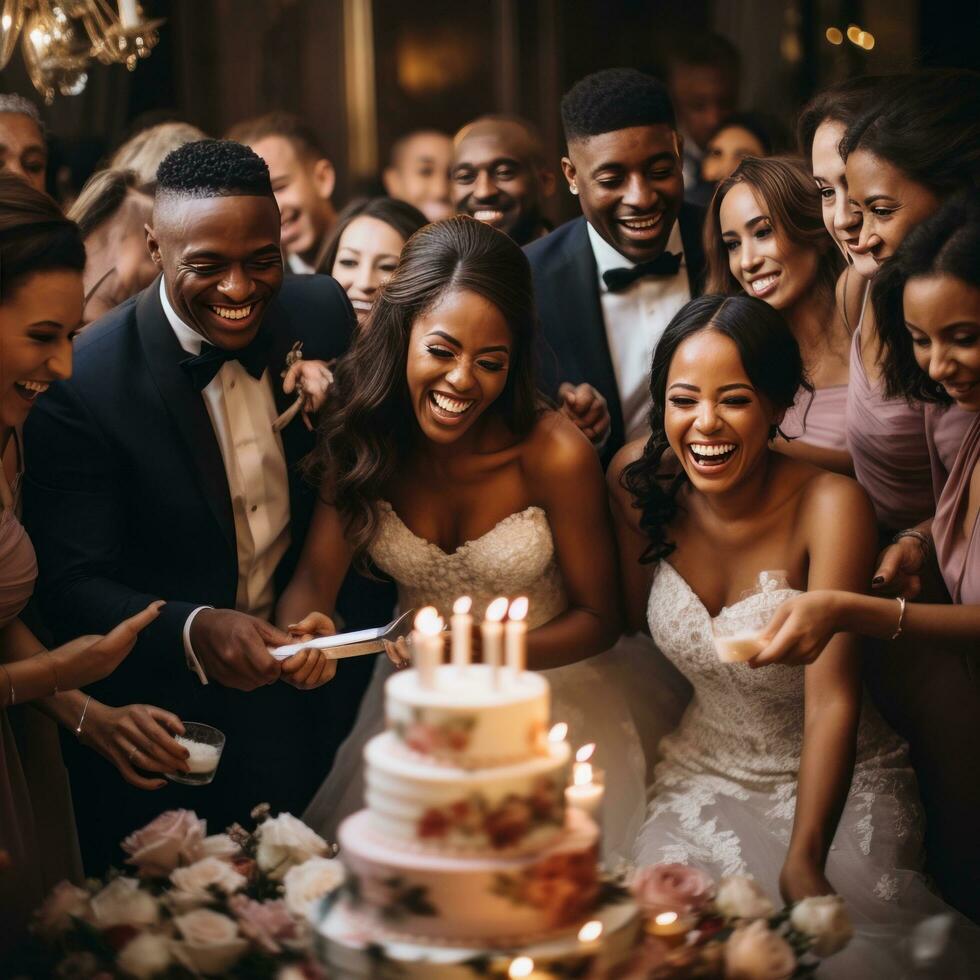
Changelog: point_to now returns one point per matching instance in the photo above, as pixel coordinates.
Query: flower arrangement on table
(229, 905)
(695, 928)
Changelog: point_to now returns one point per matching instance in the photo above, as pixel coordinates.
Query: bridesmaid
(764, 235)
(927, 302)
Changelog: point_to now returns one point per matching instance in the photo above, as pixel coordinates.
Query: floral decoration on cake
(392, 897)
(504, 824)
(447, 735)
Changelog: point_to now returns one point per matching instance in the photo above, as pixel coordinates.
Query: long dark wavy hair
(369, 425)
(946, 243)
(771, 358)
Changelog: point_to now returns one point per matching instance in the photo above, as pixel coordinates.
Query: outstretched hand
(799, 630)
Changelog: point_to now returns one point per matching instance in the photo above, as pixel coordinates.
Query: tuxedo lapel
(185, 406)
(582, 325)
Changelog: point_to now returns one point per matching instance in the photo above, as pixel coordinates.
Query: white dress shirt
(299, 266)
(242, 410)
(635, 319)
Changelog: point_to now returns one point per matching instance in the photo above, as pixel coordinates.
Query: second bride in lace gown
(441, 467)
(786, 774)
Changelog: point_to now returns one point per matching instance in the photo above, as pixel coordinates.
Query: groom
(156, 473)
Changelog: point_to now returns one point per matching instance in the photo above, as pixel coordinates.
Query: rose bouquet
(695, 928)
(229, 905)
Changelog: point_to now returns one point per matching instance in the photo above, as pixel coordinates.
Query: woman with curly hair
(440, 465)
(787, 775)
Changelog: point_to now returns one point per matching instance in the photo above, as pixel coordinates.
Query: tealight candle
(200, 757)
(587, 789)
(515, 636)
(462, 624)
(427, 645)
(670, 927)
(492, 630)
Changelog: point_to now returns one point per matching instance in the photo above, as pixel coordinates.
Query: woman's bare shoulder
(556, 449)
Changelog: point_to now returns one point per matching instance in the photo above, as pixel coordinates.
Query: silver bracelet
(901, 616)
(78, 727)
(924, 542)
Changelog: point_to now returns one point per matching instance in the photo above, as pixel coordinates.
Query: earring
(573, 188)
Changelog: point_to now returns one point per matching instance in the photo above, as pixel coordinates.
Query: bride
(440, 466)
(784, 773)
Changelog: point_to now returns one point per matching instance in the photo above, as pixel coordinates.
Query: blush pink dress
(946, 428)
(817, 419)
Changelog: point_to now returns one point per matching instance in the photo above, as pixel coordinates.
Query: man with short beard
(608, 283)
(302, 179)
(498, 176)
(155, 472)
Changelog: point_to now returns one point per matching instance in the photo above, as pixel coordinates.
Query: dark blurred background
(363, 72)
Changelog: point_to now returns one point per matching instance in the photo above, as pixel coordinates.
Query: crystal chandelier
(60, 37)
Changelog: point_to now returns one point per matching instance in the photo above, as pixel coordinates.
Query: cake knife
(351, 644)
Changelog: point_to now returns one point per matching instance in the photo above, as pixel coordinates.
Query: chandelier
(60, 37)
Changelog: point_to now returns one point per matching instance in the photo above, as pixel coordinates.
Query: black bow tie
(665, 264)
(254, 357)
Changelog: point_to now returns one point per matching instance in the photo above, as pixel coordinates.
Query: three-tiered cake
(466, 845)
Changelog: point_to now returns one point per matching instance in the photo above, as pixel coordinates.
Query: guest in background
(418, 172)
(112, 213)
(744, 134)
(499, 176)
(608, 283)
(41, 261)
(177, 390)
(23, 150)
(703, 81)
(303, 180)
(765, 236)
(362, 250)
(144, 152)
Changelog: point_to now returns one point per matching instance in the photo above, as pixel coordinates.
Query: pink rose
(672, 888)
(193, 885)
(268, 924)
(210, 942)
(163, 844)
(66, 902)
(753, 952)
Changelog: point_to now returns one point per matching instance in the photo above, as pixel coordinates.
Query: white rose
(217, 846)
(753, 952)
(66, 902)
(210, 942)
(306, 883)
(825, 920)
(741, 898)
(193, 884)
(285, 841)
(123, 903)
(148, 955)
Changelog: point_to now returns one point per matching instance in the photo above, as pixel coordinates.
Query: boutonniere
(311, 383)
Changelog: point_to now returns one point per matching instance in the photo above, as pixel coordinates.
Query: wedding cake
(466, 845)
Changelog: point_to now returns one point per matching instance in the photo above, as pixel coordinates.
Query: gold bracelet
(78, 727)
(901, 616)
(12, 694)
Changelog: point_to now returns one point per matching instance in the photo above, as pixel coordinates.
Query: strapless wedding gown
(517, 557)
(724, 793)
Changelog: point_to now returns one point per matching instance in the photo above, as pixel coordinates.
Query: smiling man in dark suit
(155, 472)
(608, 283)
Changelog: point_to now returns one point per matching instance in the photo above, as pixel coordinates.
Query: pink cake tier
(487, 901)
(512, 808)
(467, 720)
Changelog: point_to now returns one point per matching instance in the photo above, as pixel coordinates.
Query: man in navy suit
(155, 472)
(608, 283)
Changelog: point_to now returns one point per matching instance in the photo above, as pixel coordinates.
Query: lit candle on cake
(492, 631)
(128, 13)
(462, 624)
(515, 636)
(670, 927)
(558, 733)
(427, 645)
(587, 790)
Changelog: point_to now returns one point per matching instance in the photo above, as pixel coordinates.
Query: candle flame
(428, 621)
(462, 605)
(558, 732)
(518, 609)
(585, 752)
(497, 610)
(666, 918)
(590, 932)
(582, 774)
(523, 966)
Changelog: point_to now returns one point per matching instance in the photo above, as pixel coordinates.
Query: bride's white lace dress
(516, 557)
(724, 793)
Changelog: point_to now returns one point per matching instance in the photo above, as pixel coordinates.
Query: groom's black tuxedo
(573, 345)
(127, 501)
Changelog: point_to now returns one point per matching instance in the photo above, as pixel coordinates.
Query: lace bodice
(516, 557)
(743, 725)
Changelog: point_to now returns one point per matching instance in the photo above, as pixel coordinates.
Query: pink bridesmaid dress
(818, 419)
